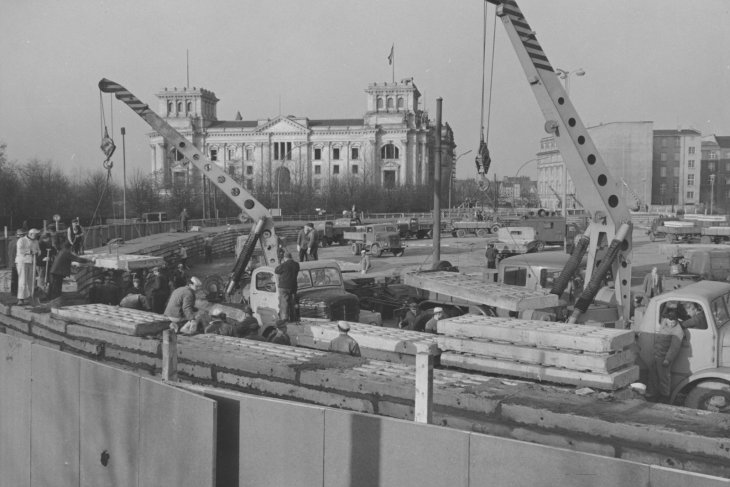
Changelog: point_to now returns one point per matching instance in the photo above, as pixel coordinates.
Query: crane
(637, 200)
(263, 231)
(608, 237)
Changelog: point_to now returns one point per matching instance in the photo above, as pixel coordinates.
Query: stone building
(714, 179)
(391, 145)
(676, 167)
(626, 148)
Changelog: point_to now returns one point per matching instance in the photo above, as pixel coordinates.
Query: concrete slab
(113, 318)
(15, 407)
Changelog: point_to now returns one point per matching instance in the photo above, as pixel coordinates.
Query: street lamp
(517, 174)
(124, 176)
(565, 76)
(453, 175)
(278, 174)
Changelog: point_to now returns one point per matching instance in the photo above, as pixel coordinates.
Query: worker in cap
(344, 343)
(312, 242)
(364, 262)
(12, 251)
(431, 325)
(181, 309)
(408, 322)
(491, 254)
(26, 251)
(75, 236)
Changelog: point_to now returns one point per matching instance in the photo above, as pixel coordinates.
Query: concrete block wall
(630, 430)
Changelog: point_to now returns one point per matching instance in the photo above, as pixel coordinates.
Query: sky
(664, 61)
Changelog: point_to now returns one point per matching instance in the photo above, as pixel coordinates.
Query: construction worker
(667, 342)
(344, 343)
(181, 307)
(287, 271)
(27, 250)
(62, 268)
(491, 254)
(431, 325)
(75, 236)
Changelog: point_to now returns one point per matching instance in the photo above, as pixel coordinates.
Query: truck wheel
(709, 396)
(495, 228)
(482, 233)
(540, 246)
(355, 248)
(375, 250)
(398, 252)
(461, 233)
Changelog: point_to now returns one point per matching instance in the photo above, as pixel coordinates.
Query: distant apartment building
(519, 190)
(626, 148)
(676, 167)
(714, 178)
(391, 145)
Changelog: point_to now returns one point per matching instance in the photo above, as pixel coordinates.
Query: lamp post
(278, 174)
(124, 176)
(517, 174)
(453, 175)
(565, 76)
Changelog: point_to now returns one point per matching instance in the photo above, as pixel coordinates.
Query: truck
(262, 240)
(516, 240)
(375, 239)
(411, 227)
(331, 232)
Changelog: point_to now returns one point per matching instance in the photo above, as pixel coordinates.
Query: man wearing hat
(25, 253)
(302, 243)
(61, 268)
(181, 306)
(438, 313)
(408, 322)
(364, 262)
(75, 236)
(312, 242)
(491, 254)
(344, 343)
(12, 251)
(287, 273)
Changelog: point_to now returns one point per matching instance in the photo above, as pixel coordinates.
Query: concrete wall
(88, 424)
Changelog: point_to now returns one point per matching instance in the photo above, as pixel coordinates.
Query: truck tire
(356, 248)
(461, 233)
(482, 233)
(376, 250)
(495, 228)
(709, 396)
(398, 252)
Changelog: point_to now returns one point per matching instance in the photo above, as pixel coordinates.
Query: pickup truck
(321, 294)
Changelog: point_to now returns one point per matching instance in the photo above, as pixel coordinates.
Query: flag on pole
(390, 56)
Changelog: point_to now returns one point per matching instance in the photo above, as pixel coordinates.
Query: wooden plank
(612, 381)
(512, 298)
(109, 426)
(113, 318)
(54, 418)
(15, 404)
(177, 437)
(543, 334)
(595, 362)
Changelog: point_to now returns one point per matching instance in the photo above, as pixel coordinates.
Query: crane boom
(598, 190)
(263, 229)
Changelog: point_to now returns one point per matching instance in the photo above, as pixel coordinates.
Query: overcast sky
(664, 61)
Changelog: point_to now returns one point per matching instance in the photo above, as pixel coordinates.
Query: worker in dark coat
(157, 291)
(491, 254)
(181, 306)
(344, 343)
(312, 242)
(61, 268)
(408, 322)
(667, 344)
(134, 297)
(287, 273)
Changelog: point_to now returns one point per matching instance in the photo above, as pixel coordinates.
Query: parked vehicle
(413, 228)
(375, 239)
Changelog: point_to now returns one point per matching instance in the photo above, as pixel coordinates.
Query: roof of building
(723, 141)
(675, 132)
(336, 122)
(233, 124)
(244, 124)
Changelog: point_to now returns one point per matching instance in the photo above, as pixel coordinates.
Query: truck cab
(701, 372)
(376, 239)
(321, 294)
(412, 228)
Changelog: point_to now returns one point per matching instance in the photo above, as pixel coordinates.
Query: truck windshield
(719, 309)
(548, 277)
(327, 276)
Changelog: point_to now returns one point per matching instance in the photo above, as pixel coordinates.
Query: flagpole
(394, 64)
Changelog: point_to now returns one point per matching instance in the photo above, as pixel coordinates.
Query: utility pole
(437, 189)
(124, 175)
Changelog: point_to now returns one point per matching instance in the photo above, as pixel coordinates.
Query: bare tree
(142, 193)
(10, 190)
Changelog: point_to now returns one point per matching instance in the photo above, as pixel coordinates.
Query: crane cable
(107, 147)
(483, 160)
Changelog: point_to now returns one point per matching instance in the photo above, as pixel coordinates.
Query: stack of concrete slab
(579, 355)
(114, 319)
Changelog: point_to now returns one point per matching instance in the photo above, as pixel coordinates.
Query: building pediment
(282, 125)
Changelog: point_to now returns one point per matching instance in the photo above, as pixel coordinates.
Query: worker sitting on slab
(181, 307)
(344, 343)
(135, 298)
(222, 325)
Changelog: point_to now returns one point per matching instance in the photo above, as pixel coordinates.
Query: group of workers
(416, 320)
(307, 243)
(43, 257)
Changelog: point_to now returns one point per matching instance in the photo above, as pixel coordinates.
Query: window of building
(249, 170)
(390, 103)
(389, 151)
(355, 153)
(189, 107)
(335, 169)
(282, 150)
(727, 180)
(380, 103)
(336, 153)
(355, 169)
(663, 172)
(400, 103)
(691, 150)
(389, 179)
(664, 141)
(710, 166)
(249, 184)
(317, 154)
(691, 164)
(214, 154)
(231, 153)
(713, 154)
(662, 188)
(663, 157)
(249, 153)
(178, 178)
(179, 107)
(675, 187)
(232, 170)
(690, 195)
(690, 179)
(169, 108)
(318, 169)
